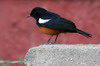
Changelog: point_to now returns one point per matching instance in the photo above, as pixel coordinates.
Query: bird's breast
(51, 31)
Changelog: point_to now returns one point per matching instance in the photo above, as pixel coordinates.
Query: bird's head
(36, 12)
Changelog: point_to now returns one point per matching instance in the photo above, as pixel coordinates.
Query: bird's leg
(56, 39)
(50, 39)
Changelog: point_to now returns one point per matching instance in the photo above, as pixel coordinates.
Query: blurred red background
(18, 33)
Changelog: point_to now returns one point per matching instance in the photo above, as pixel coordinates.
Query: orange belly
(50, 31)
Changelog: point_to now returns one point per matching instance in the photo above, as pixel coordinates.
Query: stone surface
(63, 55)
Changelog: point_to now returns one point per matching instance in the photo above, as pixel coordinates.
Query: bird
(53, 24)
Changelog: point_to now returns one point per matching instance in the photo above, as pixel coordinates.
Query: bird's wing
(60, 24)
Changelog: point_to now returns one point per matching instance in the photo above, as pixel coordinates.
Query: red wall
(18, 33)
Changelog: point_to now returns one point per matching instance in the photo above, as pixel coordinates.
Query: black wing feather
(60, 24)
(57, 22)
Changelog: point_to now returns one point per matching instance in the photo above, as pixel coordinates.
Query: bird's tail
(84, 33)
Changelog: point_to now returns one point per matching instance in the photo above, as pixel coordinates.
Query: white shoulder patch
(43, 20)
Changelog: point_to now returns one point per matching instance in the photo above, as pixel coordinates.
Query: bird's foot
(48, 43)
(55, 43)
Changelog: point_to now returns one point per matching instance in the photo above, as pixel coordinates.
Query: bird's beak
(28, 16)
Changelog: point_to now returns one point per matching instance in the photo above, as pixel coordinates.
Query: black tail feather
(84, 33)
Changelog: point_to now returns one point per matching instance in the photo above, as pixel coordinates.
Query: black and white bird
(52, 24)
